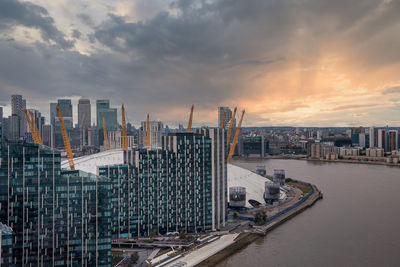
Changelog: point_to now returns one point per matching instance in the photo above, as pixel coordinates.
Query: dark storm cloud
(85, 18)
(205, 52)
(76, 34)
(14, 13)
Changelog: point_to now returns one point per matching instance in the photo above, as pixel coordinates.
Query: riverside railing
(294, 205)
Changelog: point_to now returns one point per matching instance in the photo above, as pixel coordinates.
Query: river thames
(356, 224)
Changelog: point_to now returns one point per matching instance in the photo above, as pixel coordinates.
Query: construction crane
(124, 138)
(148, 132)
(189, 128)
(228, 135)
(67, 145)
(235, 139)
(223, 120)
(31, 127)
(35, 129)
(106, 147)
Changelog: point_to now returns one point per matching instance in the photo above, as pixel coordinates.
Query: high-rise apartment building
(193, 178)
(53, 114)
(228, 116)
(316, 151)
(382, 138)
(115, 139)
(392, 140)
(373, 137)
(219, 176)
(4, 129)
(38, 119)
(163, 190)
(13, 127)
(93, 137)
(156, 133)
(6, 251)
(48, 135)
(84, 114)
(1, 125)
(18, 104)
(58, 217)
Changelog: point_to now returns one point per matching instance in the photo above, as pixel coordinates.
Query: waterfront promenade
(226, 243)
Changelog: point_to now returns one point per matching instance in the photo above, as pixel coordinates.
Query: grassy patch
(115, 260)
(303, 187)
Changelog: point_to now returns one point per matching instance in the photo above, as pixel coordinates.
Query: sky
(286, 62)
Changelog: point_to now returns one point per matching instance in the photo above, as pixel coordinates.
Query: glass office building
(58, 217)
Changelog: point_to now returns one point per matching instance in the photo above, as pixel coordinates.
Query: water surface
(356, 224)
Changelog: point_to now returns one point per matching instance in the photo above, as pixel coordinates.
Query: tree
(235, 215)
(131, 261)
(260, 218)
(182, 235)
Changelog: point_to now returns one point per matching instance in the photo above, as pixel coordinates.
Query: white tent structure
(89, 163)
(237, 176)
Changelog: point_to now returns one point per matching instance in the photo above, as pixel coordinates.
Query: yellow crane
(228, 135)
(67, 145)
(106, 147)
(235, 139)
(35, 129)
(223, 120)
(148, 132)
(124, 138)
(189, 128)
(31, 127)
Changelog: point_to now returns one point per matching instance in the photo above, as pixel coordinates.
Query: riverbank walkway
(222, 244)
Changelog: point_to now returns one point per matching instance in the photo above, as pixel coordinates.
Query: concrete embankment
(244, 239)
(357, 162)
(351, 161)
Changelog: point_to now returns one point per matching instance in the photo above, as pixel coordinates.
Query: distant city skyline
(44, 108)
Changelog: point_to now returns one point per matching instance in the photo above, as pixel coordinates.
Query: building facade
(59, 218)
(156, 133)
(373, 137)
(115, 139)
(253, 146)
(110, 115)
(84, 113)
(18, 104)
(65, 106)
(392, 140)
(6, 251)
(13, 127)
(193, 178)
(219, 175)
(228, 116)
(48, 135)
(110, 118)
(163, 190)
